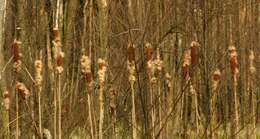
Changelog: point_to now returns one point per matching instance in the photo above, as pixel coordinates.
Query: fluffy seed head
(7, 100)
(101, 70)
(22, 90)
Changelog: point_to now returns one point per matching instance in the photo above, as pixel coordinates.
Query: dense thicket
(76, 68)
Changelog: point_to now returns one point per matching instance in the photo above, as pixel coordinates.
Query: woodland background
(108, 29)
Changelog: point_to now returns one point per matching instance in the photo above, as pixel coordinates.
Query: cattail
(38, 70)
(101, 76)
(148, 51)
(7, 100)
(130, 63)
(22, 90)
(234, 71)
(216, 78)
(101, 70)
(158, 62)
(168, 80)
(213, 121)
(86, 69)
(58, 54)
(252, 68)
(17, 62)
(131, 70)
(194, 53)
(186, 64)
(233, 59)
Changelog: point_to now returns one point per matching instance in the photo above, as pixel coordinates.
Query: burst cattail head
(194, 52)
(131, 53)
(168, 80)
(38, 70)
(216, 75)
(56, 34)
(158, 62)
(86, 69)
(186, 64)
(252, 68)
(17, 66)
(233, 59)
(101, 70)
(131, 71)
(22, 90)
(148, 51)
(216, 78)
(7, 100)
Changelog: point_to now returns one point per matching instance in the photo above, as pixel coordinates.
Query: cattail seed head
(131, 53)
(56, 34)
(86, 70)
(216, 75)
(233, 59)
(252, 68)
(186, 64)
(216, 78)
(58, 54)
(168, 80)
(38, 70)
(16, 46)
(158, 62)
(101, 70)
(22, 90)
(130, 63)
(17, 66)
(148, 51)
(194, 52)
(7, 100)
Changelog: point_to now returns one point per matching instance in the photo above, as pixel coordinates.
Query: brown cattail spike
(7, 100)
(233, 59)
(186, 64)
(148, 51)
(131, 53)
(16, 46)
(194, 52)
(216, 75)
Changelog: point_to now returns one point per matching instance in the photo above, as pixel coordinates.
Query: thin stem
(101, 109)
(134, 134)
(90, 116)
(40, 112)
(17, 115)
(59, 103)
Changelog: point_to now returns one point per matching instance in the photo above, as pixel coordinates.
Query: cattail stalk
(17, 67)
(38, 81)
(253, 98)
(7, 102)
(213, 112)
(58, 55)
(158, 64)
(234, 72)
(112, 104)
(132, 79)
(194, 88)
(152, 80)
(186, 78)
(101, 76)
(86, 70)
(169, 98)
